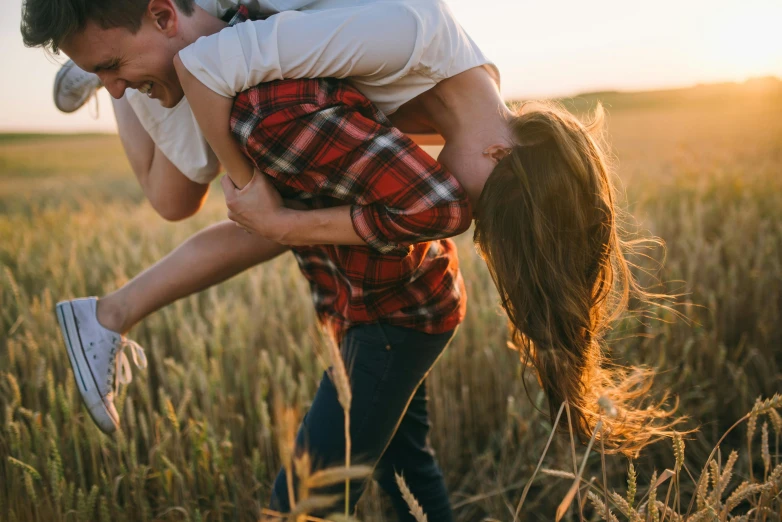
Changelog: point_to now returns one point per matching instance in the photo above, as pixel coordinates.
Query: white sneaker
(73, 86)
(96, 356)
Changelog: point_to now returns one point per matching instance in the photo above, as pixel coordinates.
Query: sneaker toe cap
(105, 415)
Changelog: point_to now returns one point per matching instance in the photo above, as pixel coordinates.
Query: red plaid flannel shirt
(322, 142)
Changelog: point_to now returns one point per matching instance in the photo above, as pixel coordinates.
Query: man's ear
(164, 15)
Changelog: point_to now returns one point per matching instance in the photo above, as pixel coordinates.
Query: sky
(542, 48)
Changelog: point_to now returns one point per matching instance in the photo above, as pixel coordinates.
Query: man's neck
(201, 23)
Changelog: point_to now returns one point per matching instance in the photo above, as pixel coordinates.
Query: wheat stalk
(339, 376)
(624, 507)
(329, 476)
(558, 473)
(751, 425)
(601, 508)
(540, 462)
(565, 504)
(764, 451)
(631, 485)
(410, 500)
(301, 465)
(652, 502)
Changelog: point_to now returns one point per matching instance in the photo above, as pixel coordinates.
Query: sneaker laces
(95, 115)
(123, 373)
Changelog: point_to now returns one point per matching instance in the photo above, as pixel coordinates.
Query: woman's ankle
(112, 314)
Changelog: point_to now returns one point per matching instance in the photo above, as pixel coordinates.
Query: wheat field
(701, 168)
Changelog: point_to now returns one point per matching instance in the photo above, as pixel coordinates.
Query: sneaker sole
(85, 380)
(62, 73)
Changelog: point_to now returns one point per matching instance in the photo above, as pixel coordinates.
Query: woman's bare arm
(213, 112)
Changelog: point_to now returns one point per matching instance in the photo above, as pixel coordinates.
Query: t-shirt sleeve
(176, 133)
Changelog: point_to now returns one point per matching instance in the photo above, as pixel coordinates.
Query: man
(393, 302)
(165, 147)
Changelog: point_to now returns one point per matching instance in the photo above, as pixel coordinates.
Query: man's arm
(259, 208)
(171, 194)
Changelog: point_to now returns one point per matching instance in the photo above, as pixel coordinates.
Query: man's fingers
(243, 227)
(233, 216)
(252, 181)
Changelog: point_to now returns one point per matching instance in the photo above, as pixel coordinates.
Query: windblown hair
(546, 225)
(46, 23)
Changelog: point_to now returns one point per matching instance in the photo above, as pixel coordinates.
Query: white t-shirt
(391, 50)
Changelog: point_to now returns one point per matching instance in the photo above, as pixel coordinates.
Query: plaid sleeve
(336, 143)
(412, 198)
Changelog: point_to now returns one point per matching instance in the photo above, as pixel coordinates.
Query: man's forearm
(327, 226)
(170, 192)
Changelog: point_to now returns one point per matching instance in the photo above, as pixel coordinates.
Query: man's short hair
(46, 23)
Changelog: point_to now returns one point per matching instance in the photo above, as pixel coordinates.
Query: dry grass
(700, 168)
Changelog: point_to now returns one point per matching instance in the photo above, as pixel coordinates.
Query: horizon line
(509, 99)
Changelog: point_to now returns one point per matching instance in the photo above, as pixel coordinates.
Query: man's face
(124, 60)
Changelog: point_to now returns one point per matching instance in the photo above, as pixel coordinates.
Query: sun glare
(745, 41)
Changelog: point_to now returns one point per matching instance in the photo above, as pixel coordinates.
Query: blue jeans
(389, 423)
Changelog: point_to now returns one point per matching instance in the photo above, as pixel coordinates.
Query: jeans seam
(381, 381)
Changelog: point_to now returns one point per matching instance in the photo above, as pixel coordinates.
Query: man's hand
(257, 208)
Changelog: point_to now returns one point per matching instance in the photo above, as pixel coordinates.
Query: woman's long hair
(546, 225)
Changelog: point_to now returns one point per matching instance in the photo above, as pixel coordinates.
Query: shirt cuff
(365, 221)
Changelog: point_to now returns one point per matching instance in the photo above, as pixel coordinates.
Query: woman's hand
(257, 208)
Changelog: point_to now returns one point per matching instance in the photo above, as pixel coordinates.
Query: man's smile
(145, 88)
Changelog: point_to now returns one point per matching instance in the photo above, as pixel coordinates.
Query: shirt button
(388, 347)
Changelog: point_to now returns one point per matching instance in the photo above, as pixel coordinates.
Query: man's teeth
(144, 89)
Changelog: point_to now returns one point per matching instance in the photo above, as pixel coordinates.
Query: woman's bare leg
(205, 259)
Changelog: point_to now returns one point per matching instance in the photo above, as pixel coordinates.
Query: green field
(701, 168)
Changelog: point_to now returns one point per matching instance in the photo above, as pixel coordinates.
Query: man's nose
(115, 86)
